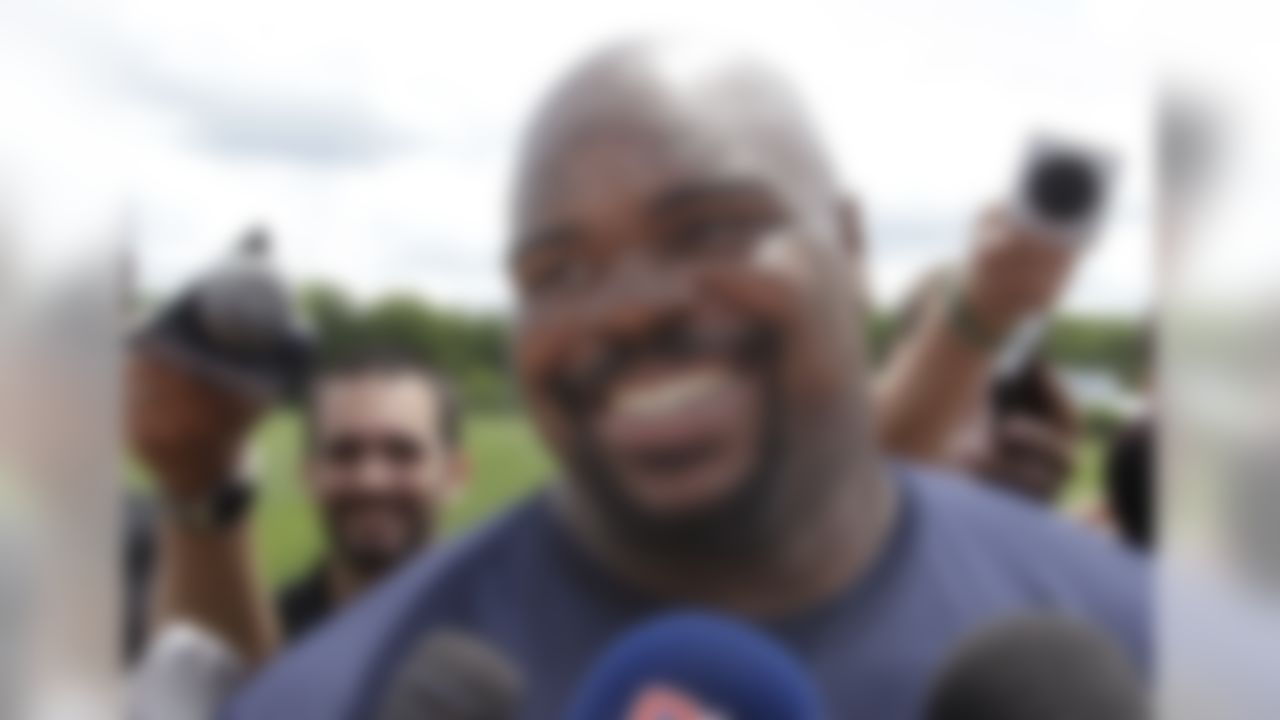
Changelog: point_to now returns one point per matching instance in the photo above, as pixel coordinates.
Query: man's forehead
(644, 164)
(644, 121)
(398, 397)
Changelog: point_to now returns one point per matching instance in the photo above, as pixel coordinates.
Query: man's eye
(343, 451)
(552, 275)
(402, 451)
(717, 234)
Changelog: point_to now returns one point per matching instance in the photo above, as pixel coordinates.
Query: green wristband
(964, 320)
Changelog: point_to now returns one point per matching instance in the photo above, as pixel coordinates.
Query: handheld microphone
(1063, 188)
(696, 666)
(1037, 667)
(453, 676)
(1061, 192)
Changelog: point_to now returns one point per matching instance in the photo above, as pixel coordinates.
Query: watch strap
(220, 508)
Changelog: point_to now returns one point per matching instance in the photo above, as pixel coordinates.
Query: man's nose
(638, 301)
(372, 474)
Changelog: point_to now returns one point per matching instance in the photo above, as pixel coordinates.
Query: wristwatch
(221, 508)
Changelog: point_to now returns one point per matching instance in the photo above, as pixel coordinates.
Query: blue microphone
(696, 666)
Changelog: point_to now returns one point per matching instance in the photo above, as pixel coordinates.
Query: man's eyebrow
(700, 191)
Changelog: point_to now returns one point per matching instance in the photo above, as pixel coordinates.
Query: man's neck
(822, 554)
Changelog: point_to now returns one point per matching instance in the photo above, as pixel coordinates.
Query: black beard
(374, 563)
(733, 526)
(737, 526)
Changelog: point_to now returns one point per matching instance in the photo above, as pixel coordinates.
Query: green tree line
(472, 347)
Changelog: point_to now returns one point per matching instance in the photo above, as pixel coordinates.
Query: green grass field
(507, 462)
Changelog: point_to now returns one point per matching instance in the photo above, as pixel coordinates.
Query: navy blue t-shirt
(959, 556)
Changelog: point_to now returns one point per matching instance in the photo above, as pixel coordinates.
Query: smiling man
(384, 457)
(691, 347)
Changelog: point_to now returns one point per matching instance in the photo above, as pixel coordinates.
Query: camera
(237, 326)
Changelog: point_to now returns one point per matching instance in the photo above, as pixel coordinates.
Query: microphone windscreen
(697, 666)
(453, 676)
(1037, 667)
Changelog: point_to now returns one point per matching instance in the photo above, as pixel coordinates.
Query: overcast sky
(377, 138)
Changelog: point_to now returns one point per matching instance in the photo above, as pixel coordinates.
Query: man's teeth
(669, 394)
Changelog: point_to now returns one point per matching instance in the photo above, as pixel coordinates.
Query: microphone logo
(663, 702)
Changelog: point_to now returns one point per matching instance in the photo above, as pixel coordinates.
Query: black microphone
(1037, 667)
(453, 676)
(1063, 188)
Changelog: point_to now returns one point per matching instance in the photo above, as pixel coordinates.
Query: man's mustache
(355, 505)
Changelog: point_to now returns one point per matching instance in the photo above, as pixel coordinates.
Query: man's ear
(849, 225)
(310, 470)
(459, 474)
(852, 239)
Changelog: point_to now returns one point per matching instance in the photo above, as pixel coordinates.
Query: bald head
(701, 110)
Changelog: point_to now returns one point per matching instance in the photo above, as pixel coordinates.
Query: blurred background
(375, 143)
(139, 140)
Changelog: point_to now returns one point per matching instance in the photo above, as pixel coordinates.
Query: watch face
(222, 507)
(232, 501)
